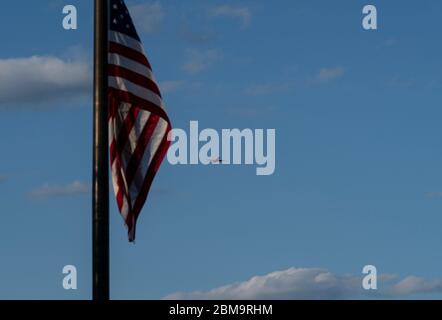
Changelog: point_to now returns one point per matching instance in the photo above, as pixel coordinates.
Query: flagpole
(100, 194)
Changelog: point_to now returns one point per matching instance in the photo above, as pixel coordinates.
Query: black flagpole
(100, 194)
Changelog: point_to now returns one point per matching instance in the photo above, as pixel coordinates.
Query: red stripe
(129, 53)
(138, 153)
(117, 146)
(122, 191)
(113, 104)
(124, 127)
(113, 109)
(120, 198)
(128, 97)
(114, 156)
(113, 151)
(153, 169)
(117, 71)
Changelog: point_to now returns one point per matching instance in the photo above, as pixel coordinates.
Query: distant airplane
(217, 160)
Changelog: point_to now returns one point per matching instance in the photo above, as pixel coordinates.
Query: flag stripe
(137, 130)
(129, 53)
(141, 145)
(158, 158)
(119, 60)
(128, 97)
(117, 174)
(117, 145)
(138, 123)
(147, 157)
(128, 86)
(136, 78)
(121, 38)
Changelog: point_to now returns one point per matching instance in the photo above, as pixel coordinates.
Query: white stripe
(126, 85)
(130, 64)
(117, 121)
(114, 128)
(125, 208)
(112, 131)
(127, 41)
(135, 133)
(115, 169)
(151, 149)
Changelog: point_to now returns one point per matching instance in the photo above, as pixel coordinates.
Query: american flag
(138, 123)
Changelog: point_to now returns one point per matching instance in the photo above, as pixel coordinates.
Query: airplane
(217, 160)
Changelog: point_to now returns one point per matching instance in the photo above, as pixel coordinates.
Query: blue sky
(358, 151)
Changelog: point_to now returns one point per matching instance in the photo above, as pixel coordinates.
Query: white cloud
(416, 285)
(198, 61)
(148, 17)
(171, 85)
(268, 88)
(175, 85)
(243, 14)
(73, 188)
(400, 83)
(435, 194)
(328, 74)
(251, 111)
(40, 79)
(294, 283)
(312, 284)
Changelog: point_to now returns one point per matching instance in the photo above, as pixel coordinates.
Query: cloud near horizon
(416, 285)
(38, 79)
(313, 284)
(326, 75)
(48, 191)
